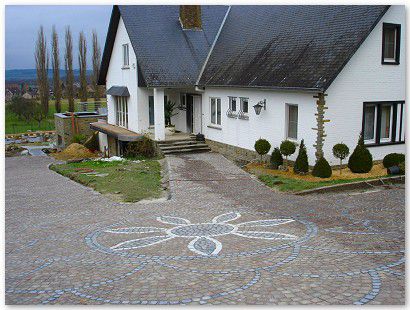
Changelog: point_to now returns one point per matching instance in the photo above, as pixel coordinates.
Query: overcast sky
(23, 22)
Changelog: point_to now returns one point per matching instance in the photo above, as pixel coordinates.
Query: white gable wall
(117, 76)
(363, 79)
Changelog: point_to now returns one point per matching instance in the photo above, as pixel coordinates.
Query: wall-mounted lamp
(258, 107)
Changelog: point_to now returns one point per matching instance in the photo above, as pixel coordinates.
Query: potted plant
(169, 108)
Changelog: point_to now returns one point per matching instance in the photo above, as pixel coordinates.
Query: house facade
(240, 73)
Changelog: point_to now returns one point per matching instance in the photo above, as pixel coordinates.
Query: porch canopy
(117, 132)
(121, 91)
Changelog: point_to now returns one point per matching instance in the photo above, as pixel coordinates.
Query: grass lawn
(126, 180)
(15, 125)
(287, 181)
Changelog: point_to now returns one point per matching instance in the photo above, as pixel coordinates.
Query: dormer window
(125, 56)
(391, 44)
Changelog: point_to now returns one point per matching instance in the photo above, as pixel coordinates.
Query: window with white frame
(121, 111)
(232, 104)
(383, 122)
(215, 111)
(391, 44)
(292, 121)
(125, 56)
(244, 104)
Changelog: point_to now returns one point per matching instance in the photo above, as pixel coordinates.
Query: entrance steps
(182, 146)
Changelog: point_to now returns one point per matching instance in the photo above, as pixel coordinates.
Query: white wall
(117, 76)
(270, 124)
(363, 79)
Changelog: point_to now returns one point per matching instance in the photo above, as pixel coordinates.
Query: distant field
(14, 125)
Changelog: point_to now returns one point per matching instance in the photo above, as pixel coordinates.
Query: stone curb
(353, 185)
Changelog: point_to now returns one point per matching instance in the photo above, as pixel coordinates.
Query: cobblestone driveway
(222, 238)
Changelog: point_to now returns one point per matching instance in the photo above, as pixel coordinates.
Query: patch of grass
(129, 180)
(15, 125)
(295, 185)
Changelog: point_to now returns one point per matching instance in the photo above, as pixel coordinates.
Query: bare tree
(96, 66)
(82, 62)
(56, 71)
(69, 69)
(41, 58)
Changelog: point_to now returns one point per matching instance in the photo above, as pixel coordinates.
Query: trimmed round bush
(92, 142)
(322, 169)
(301, 163)
(287, 148)
(341, 151)
(143, 147)
(262, 147)
(393, 159)
(276, 158)
(361, 160)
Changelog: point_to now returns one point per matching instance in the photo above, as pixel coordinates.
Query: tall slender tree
(56, 71)
(96, 66)
(41, 58)
(82, 62)
(69, 69)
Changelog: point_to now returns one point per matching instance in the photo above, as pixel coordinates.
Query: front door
(189, 113)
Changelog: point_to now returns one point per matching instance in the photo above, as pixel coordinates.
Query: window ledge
(215, 127)
(383, 143)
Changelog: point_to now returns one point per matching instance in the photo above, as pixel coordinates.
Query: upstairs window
(125, 56)
(391, 44)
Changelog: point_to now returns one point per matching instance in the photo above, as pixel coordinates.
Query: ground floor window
(292, 121)
(216, 111)
(244, 104)
(151, 109)
(383, 122)
(121, 111)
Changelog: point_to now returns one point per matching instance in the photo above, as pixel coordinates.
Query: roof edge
(213, 45)
(109, 44)
(277, 88)
(327, 85)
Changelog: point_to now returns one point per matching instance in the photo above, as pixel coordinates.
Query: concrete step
(184, 142)
(176, 141)
(184, 151)
(183, 146)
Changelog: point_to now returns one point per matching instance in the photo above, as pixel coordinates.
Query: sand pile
(74, 151)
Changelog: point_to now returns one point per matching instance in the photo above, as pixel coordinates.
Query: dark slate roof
(295, 47)
(166, 54)
(118, 91)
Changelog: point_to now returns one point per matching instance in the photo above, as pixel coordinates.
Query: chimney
(190, 16)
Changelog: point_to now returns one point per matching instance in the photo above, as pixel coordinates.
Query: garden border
(353, 185)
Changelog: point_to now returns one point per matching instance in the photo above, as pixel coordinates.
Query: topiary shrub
(393, 159)
(287, 148)
(92, 142)
(341, 151)
(322, 169)
(276, 159)
(301, 163)
(262, 147)
(143, 147)
(361, 161)
(79, 138)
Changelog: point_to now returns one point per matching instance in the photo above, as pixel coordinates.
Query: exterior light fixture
(258, 107)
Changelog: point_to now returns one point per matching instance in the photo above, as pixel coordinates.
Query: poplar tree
(96, 59)
(69, 69)
(41, 58)
(82, 62)
(56, 71)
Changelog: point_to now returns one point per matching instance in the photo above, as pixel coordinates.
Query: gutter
(213, 45)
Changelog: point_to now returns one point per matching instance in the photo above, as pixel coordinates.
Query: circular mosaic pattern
(202, 230)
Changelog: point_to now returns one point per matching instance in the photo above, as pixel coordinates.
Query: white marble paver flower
(202, 235)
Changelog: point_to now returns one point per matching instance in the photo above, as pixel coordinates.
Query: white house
(220, 64)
